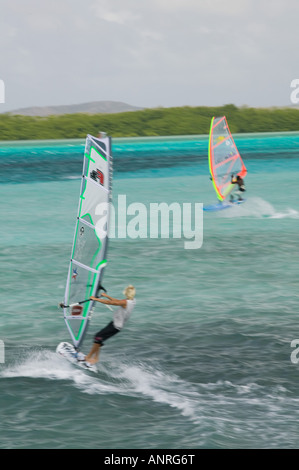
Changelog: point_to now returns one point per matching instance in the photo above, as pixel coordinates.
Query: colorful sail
(224, 158)
(89, 251)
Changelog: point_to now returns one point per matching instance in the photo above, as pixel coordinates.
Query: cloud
(149, 52)
(229, 8)
(115, 12)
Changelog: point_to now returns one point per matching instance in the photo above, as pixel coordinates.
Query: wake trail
(113, 377)
(257, 207)
(194, 401)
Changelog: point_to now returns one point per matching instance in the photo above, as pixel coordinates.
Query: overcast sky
(148, 53)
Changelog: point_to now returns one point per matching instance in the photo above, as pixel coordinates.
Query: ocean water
(205, 360)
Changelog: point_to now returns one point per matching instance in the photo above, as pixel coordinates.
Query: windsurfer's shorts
(105, 333)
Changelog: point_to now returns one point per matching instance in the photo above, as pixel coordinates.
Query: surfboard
(222, 205)
(68, 351)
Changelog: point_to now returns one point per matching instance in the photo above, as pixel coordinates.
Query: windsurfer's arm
(111, 301)
(108, 296)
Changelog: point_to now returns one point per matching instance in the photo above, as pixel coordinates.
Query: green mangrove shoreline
(157, 122)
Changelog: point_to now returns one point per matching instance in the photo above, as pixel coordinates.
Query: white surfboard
(68, 351)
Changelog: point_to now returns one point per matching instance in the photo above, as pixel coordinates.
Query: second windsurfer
(241, 187)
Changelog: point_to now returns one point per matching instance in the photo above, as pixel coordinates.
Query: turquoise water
(204, 361)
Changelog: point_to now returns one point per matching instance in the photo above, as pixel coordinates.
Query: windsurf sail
(224, 158)
(89, 250)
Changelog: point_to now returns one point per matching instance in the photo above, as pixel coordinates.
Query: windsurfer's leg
(239, 194)
(94, 354)
(97, 354)
(236, 194)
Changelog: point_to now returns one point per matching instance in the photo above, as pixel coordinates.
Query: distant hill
(95, 107)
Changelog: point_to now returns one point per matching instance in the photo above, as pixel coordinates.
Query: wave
(113, 377)
(73, 177)
(289, 214)
(257, 207)
(209, 407)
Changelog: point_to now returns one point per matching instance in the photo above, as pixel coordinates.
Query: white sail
(89, 251)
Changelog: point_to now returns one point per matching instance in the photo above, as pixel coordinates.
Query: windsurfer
(121, 315)
(102, 135)
(241, 187)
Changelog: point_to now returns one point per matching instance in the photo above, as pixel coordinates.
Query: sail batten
(88, 268)
(224, 158)
(89, 250)
(227, 160)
